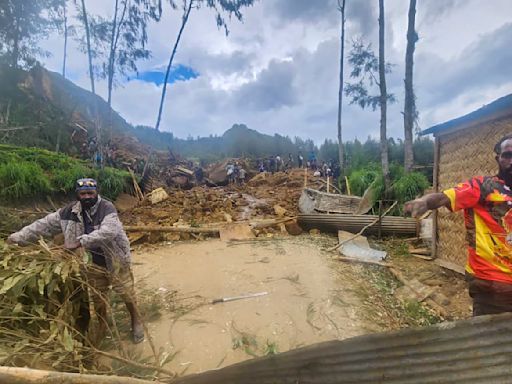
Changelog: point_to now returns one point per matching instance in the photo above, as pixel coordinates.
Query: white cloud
(277, 71)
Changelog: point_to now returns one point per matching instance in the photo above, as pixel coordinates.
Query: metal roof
(502, 104)
(476, 351)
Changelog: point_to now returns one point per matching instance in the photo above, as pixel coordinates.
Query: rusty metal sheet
(478, 350)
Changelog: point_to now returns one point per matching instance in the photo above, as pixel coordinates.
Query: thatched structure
(463, 149)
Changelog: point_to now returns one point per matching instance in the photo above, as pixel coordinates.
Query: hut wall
(463, 154)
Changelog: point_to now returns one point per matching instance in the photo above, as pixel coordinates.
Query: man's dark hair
(497, 147)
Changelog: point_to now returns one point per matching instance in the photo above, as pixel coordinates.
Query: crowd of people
(236, 173)
(276, 163)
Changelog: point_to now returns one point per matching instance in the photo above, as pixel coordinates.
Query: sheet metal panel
(478, 350)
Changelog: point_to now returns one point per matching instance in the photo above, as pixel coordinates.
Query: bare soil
(310, 299)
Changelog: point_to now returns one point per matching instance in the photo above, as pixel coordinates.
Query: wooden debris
(450, 265)
(419, 292)
(236, 232)
(152, 228)
(364, 229)
(363, 261)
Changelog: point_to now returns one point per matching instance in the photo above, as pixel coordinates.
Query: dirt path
(308, 301)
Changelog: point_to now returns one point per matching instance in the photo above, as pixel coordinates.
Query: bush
(362, 178)
(30, 172)
(20, 179)
(409, 186)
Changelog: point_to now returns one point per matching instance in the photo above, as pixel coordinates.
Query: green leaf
(9, 283)
(67, 340)
(40, 285)
(17, 308)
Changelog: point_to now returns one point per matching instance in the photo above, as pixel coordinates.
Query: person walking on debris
(487, 205)
(93, 230)
(230, 172)
(241, 175)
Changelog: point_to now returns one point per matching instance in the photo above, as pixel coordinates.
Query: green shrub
(361, 179)
(113, 182)
(29, 172)
(409, 186)
(20, 179)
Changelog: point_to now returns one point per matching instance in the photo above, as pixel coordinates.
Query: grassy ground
(36, 173)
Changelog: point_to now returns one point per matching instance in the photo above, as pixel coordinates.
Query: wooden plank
(450, 265)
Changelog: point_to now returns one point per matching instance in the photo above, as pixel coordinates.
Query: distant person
(290, 161)
(242, 173)
(199, 174)
(261, 167)
(487, 205)
(91, 224)
(278, 163)
(230, 172)
(272, 164)
(300, 159)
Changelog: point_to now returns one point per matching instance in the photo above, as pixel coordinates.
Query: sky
(277, 71)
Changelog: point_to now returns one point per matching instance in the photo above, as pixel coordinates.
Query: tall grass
(20, 179)
(31, 172)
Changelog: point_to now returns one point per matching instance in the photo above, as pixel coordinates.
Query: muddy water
(307, 302)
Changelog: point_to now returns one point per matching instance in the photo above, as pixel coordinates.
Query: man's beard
(506, 176)
(88, 202)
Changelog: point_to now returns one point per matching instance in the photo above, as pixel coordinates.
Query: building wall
(462, 155)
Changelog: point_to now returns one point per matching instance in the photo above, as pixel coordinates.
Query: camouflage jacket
(108, 231)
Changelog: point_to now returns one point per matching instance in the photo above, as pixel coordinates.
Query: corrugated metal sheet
(478, 350)
(390, 225)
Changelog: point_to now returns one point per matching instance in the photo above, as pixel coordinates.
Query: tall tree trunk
(341, 8)
(410, 102)
(186, 13)
(65, 41)
(383, 100)
(18, 12)
(112, 55)
(89, 53)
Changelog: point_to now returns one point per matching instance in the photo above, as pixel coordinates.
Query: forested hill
(42, 109)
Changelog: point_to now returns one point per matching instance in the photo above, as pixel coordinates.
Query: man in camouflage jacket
(91, 225)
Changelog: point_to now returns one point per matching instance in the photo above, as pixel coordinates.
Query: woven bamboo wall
(462, 155)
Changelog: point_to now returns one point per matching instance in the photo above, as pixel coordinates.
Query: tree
(366, 67)
(121, 41)
(383, 99)
(410, 113)
(22, 25)
(88, 46)
(221, 7)
(341, 9)
(65, 21)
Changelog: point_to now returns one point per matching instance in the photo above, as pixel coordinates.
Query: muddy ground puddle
(308, 300)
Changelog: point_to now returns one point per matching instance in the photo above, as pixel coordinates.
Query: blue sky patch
(178, 73)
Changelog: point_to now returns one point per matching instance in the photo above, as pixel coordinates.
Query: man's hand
(72, 246)
(416, 207)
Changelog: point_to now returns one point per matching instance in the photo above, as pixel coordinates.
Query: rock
(158, 195)
(293, 228)
(280, 211)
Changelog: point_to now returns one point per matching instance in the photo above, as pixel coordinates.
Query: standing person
(278, 163)
(487, 205)
(272, 164)
(242, 173)
(300, 159)
(289, 165)
(91, 225)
